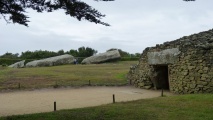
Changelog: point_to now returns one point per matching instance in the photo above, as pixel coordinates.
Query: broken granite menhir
(52, 61)
(102, 57)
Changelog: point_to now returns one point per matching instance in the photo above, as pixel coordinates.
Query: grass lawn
(183, 107)
(66, 75)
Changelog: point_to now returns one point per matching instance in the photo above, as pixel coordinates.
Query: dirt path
(25, 102)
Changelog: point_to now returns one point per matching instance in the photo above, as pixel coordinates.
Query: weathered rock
(102, 57)
(186, 65)
(19, 64)
(148, 87)
(193, 86)
(52, 61)
(163, 57)
(141, 84)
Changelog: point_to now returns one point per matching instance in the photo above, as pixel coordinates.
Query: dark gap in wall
(161, 79)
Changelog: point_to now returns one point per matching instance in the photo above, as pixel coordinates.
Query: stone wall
(192, 72)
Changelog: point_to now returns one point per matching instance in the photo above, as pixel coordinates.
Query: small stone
(200, 61)
(186, 88)
(205, 75)
(185, 73)
(208, 80)
(197, 78)
(191, 67)
(205, 83)
(203, 78)
(202, 83)
(205, 88)
(147, 87)
(200, 86)
(193, 85)
(206, 68)
(192, 78)
(210, 84)
(141, 84)
(200, 71)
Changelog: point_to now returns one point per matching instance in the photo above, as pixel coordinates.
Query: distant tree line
(80, 54)
(40, 54)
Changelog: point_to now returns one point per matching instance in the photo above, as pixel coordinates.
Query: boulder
(52, 61)
(19, 64)
(102, 57)
(164, 57)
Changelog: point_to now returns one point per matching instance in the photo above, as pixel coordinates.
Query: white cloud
(136, 24)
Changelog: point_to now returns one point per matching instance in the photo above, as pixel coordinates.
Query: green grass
(183, 107)
(66, 75)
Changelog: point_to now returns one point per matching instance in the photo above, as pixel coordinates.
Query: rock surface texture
(168, 56)
(52, 61)
(18, 64)
(102, 57)
(185, 65)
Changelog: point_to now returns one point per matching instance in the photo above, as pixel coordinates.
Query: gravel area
(36, 101)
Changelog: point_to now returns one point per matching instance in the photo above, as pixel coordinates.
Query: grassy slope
(185, 107)
(67, 75)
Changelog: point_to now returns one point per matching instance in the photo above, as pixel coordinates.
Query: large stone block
(148, 87)
(52, 61)
(18, 64)
(102, 57)
(191, 67)
(168, 56)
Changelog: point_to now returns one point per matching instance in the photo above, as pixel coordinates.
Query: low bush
(7, 61)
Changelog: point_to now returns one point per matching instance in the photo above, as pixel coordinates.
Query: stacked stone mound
(52, 61)
(19, 64)
(190, 65)
(102, 57)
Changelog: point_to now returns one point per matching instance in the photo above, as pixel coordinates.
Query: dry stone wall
(192, 72)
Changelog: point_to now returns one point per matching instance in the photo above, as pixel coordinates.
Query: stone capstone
(102, 57)
(52, 61)
(168, 56)
(19, 64)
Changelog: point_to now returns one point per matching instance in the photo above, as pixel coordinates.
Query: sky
(135, 25)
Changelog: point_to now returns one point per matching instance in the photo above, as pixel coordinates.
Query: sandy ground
(25, 102)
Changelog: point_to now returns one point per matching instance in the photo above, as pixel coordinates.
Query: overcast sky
(135, 25)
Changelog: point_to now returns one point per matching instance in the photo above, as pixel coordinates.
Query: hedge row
(8, 61)
(129, 58)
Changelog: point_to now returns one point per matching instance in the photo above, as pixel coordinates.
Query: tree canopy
(14, 10)
(9, 55)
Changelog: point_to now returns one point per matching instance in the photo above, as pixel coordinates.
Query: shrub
(8, 61)
(4, 65)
